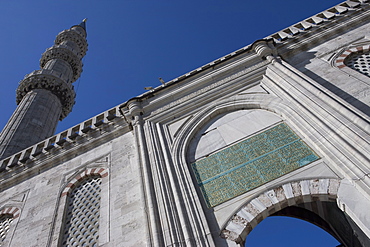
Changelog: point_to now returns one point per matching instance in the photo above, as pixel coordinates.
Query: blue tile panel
(251, 163)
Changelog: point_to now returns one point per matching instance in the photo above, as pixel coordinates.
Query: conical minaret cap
(83, 24)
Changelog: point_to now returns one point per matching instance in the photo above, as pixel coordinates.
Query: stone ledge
(86, 131)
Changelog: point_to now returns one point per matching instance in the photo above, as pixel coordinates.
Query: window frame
(72, 182)
(14, 212)
(339, 62)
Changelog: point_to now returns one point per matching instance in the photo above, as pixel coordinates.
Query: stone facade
(279, 127)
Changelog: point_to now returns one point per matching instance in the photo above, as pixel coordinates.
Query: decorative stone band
(102, 172)
(89, 130)
(340, 61)
(64, 54)
(14, 211)
(320, 19)
(74, 37)
(271, 201)
(45, 79)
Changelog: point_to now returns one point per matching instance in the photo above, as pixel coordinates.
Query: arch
(74, 181)
(238, 102)
(184, 137)
(102, 172)
(340, 61)
(7, 217)
(241, 223)
(297, 119)
(82, 213)
(13, 211)
(240, 124)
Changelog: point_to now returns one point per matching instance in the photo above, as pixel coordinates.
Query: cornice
(307, 34)
(63, 146)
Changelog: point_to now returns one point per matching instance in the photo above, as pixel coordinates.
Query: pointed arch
(241, 223)
(340, 62)
(307, 124)
(7, 217)
(93, 184)
(181, 142)
(238, 102)
(102, 172)
(13, 211)
(81, 219)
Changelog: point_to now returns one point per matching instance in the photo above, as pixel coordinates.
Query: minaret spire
(47, 95)
(83, 23)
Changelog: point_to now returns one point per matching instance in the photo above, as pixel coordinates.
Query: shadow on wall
(304, 59)
(339, 92)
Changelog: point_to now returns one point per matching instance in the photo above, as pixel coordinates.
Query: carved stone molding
(39, 80)
(263, 49)
(271, 201)
(74, 37)
(340, 61)
(13, 211)
(102, 172)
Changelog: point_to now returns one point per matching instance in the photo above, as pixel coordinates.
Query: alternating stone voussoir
(267, 203)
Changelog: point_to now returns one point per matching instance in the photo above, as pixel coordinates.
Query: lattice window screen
(359, 61)
(5, 221)
(82, 216)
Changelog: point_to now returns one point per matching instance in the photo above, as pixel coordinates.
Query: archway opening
(287, 231)
(316, 223)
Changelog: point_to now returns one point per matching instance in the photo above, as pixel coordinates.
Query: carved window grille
(359, 61)
(5, 221)
(82, 214)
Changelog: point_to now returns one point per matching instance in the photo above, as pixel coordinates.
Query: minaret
(46, 96)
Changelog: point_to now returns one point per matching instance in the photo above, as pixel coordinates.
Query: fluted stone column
(46, 96)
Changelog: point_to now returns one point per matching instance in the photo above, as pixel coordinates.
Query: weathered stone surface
(143, 149)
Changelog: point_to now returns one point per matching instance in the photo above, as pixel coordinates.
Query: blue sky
(133, 42)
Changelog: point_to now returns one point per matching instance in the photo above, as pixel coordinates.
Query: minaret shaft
(35, 119)
(46, 96)
(60, 66)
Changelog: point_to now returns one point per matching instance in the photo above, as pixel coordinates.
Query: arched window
(5, 221)
(82, 210)
(7, 216)
(81, 222)
(357, 58)
(359, 61)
